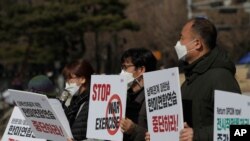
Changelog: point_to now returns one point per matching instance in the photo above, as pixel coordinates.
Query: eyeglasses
(125, 67)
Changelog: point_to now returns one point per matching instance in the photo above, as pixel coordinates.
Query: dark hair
(140, 57)
(206, 30)
(80, 68)
(43, 85)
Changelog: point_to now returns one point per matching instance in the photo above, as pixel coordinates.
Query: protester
(207, 68)
(135, 62)
(39, 84)
(77, 75)
(43, 85)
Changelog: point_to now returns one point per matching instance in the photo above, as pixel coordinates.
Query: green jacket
(212, 72)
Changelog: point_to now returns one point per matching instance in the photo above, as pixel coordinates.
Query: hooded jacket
(213, 71)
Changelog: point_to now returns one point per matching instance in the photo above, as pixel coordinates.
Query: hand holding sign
(127, 125)
(187, 133)
(147, 136)
(164, 106)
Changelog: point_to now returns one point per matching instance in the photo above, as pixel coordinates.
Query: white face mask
(181, 50)
(129, 77)
(72, 88)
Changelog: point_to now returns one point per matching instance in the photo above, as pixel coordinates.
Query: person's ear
(142, 69)
(82, 80)
(198, 44)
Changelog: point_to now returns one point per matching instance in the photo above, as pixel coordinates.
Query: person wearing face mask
(207, 68)
(77, 87)
(134, 62)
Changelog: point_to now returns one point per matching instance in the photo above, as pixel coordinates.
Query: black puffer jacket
(212, 72)
(78, 123)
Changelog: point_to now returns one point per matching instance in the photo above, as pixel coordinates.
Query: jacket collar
(139, 95)
(200, 66)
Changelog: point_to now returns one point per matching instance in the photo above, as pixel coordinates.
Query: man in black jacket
(207, 68)
(135, 62)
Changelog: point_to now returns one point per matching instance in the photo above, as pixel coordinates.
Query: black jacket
(78, 123)
(136, 111)
(213, 71)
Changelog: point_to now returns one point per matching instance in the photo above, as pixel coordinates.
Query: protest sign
(107, 107)
(18, 128)
(163, 103)
(229, 109)
(40, 115)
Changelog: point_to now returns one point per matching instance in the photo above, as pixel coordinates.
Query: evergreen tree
(43, 31)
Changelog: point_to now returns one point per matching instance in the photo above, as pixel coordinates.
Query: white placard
(40, 115)
(229, 109)
(107, 106)
(164, 104)
(18, 128)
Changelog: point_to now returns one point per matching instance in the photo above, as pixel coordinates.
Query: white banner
(164, 104)
(18, 128)
(107, 106)
(41, 116)
(229, 109)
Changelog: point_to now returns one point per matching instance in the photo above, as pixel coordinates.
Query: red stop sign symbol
(114, 107)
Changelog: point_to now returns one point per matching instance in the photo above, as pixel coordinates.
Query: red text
(47, 128)
(165, 123)
(101, 92)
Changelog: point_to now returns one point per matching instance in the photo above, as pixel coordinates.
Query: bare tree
(160, 25)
